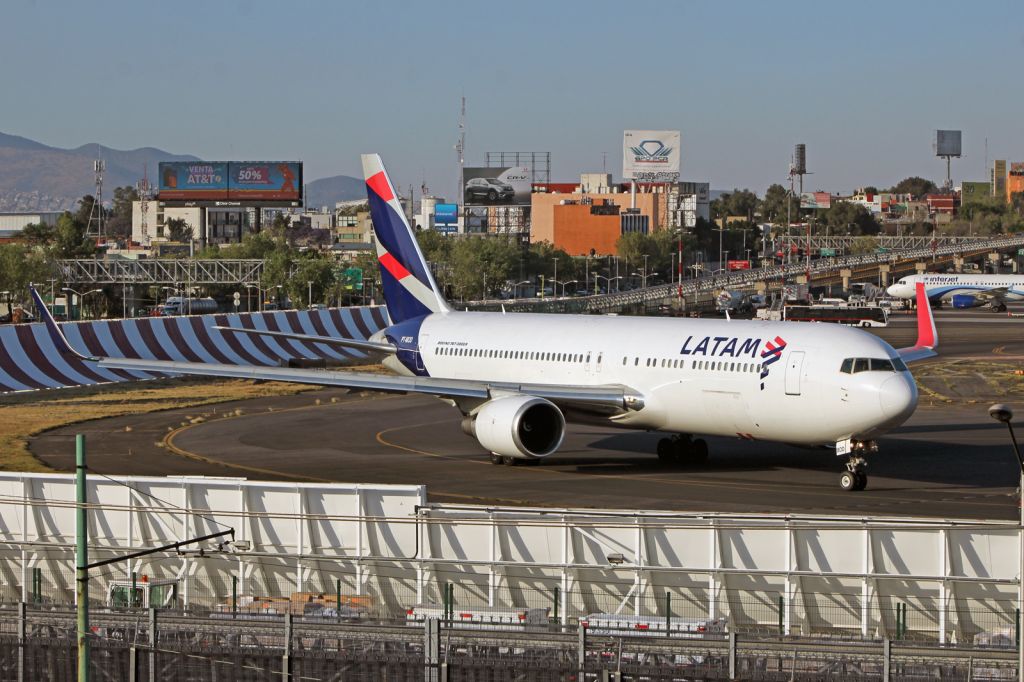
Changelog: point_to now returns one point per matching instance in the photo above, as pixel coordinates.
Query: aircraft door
(794, 368)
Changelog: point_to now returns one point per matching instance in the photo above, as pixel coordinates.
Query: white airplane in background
(519, 378)
(963, 291)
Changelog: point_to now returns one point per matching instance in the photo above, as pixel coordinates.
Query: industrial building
(12, 223)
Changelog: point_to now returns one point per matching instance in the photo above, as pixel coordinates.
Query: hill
(37, 177)
(328, 191)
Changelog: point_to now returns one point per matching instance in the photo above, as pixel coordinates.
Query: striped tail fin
(409, 288)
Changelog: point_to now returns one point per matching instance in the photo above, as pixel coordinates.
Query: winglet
(927, 336)
(56, 335)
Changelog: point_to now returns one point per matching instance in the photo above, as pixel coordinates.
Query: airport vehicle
(963, 291)
(491, 189)
(519, 378)
(182, 305)
(855, 316)
(621, 624)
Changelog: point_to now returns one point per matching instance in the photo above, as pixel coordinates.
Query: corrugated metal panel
(30, 360)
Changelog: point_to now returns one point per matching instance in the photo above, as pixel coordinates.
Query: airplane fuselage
(939, 287)
(778, 381)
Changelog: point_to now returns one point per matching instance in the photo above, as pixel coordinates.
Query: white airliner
(518, 378)
(963, 291)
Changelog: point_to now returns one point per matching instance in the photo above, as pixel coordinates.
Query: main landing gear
(682, 449)
(854, 478)
(497, 459)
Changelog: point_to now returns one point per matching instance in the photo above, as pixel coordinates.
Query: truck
(185, 305)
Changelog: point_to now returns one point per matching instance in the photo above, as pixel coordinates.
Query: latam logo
(651, 151)
(771, 354)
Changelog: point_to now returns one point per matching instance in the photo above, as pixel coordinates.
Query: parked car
(491, 189)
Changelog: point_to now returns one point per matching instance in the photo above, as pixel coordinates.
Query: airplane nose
(893, 291)
(898, 398)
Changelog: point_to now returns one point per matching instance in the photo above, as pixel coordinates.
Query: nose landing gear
(854, 478)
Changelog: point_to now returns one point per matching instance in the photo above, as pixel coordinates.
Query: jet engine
(964, 301)
(521, 426)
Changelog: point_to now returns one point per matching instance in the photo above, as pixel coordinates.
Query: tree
(845, 217)
(119, 224)
(914, 186)
(778, 206)
(38, 234)
(870, 189)
(179, 231)
(70, 240)
(316, 269)
(21, 265)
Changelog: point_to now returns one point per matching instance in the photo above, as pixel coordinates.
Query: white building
(12, 223)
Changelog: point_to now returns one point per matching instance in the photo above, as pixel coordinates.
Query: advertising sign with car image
(497, 186)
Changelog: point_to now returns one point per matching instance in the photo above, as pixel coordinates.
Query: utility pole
(81, 560)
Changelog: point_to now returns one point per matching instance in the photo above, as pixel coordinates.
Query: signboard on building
(231, 183)
(496, 186)
(815, 200)
(827, 253)
(974, 191)
(737, 265)
(1017, 169)
(650, 155)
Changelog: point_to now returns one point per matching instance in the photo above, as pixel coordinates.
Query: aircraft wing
(609, 398)
(366, 346)
(927, 335)
(997, 294)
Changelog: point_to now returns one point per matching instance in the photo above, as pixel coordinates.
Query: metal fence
(151, 645)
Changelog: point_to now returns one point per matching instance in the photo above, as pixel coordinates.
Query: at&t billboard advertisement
(235, 181)
(497, 186)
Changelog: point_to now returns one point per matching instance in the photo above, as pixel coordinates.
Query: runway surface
(950, 460)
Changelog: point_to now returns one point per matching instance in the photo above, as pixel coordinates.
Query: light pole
(248, 297)
(1004, 414)
(81, 297)
(645, 271)
(515, 289)
(609, 281)
(571, 281)
(309, 297)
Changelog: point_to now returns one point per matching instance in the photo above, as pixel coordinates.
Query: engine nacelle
(964, 301)
(518, 426)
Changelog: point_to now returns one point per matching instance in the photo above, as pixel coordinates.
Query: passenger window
(636, 361)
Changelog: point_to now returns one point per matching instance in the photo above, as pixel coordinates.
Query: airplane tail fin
(409, 288)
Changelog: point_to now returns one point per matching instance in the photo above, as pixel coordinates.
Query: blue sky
(863, 84)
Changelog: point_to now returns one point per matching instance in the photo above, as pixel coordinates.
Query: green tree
(863, 245)
(119, 222)
(778, 206)
(20, 265)
(39, 234)
(179, 231)
(316, 269)
(845, 217)
(914, 186)
(70, 240)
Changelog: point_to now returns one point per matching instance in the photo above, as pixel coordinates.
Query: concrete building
(356, 228)
(998, 178)
(570, 221)
(1014, 180)
(209, 226)
(11, 223)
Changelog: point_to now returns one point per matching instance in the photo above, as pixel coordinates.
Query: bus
(854, 316)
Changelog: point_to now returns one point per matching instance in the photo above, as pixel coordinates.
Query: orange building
(568, 224)
(1014, 181)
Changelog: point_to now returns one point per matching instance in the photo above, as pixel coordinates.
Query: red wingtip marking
(392, 265)
(379, 184)
(925, 321)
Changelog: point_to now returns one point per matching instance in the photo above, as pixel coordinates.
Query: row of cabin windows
(514, 354)
(708, 365)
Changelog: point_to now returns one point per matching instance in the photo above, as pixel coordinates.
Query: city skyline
(743, 82)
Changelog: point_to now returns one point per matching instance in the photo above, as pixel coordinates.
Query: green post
(781, 609)
(668, 614)
(558, 595)
(234, 595)
(131, 599)
(81, 560)
(337, 588)
(1017, 629)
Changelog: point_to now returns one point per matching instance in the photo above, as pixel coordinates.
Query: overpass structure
(818, 271)
(199, 272)
(845, 244)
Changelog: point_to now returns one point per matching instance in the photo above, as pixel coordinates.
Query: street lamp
(515, 287)
(645, 271)
(1003, 413)
(81, 296)
(309, 298)
(609, 281)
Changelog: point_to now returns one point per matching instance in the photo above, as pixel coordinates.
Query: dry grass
(25, 415)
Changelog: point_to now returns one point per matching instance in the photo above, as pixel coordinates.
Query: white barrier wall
(385, 545)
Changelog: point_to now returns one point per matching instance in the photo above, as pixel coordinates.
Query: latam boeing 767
(518, 378)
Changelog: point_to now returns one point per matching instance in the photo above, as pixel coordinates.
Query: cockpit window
(856, 365)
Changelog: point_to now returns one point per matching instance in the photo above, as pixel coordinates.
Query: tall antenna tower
(144, 194)
(460, 151)
(95, 226)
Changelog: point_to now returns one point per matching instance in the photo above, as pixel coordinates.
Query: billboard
(446, 214)
(973, 191)
(737, 265)
(947, 143)
(815, 200)
(496, 186)
(650, 155)
(238, 181)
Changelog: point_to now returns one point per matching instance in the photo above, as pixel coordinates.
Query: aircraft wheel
(509, 461)
(666, 450)
(699, 451)
(862, 481)
(848, 481)
(495, 459)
